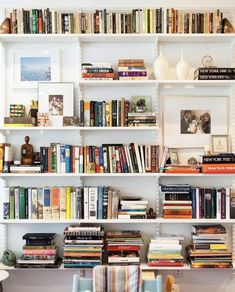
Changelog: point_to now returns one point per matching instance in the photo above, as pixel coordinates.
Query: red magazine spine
(97, 165)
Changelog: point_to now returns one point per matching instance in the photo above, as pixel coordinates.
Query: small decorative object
(174, 156)
(207, 61)
(227, 26)
(192, 161)
(5, 26)
(151, 214)
(219, 144)
(33, 112)
(43, 119)
(140, 104)
(17, 110)
(161, 67)
(56, 99)
(9, 258)
(27, 152)
(70, 121)
(36, 158)
(182, 69)
(17, 162)
(207, 150)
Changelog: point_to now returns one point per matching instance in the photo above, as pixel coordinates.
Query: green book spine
(34, 23)
(12, 203)
(53, 157)
(22, 203)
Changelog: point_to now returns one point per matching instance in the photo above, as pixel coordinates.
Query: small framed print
(56, 99)
(31, 67)
(220, 143)
(174, 156)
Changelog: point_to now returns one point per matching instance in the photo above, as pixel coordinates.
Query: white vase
(182, 69)
(161, 67)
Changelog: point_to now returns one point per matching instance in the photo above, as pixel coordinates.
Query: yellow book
(110, 113)
(18, 125)
(151, 21)
(68, 202)
(62, 203)
(218, 246)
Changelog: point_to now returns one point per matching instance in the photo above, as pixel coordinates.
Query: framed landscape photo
(220, 144)
(189, 121)
(31, 67)
(56, 99)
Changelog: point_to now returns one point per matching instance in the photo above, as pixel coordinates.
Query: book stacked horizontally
(19, 122)
(97, 71)
(83, 246)
(132, 208)
(124, 247)
(209, 248)
(221, 163)
(176, 201)
(39, 251)
(132, 69)
(165, 250)
(208, 73)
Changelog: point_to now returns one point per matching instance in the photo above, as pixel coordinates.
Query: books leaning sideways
(165, 251)
(209, 248)
(207, 73)
(83, 246)
(40, 251)
(124, 247)
(132, 208)
(132, 69)
(97, 71)
(221, 163)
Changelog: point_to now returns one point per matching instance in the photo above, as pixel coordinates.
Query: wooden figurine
(27, 152)
(151, 214)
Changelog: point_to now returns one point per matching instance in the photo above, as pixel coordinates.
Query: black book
(226, 158)
(37, 236)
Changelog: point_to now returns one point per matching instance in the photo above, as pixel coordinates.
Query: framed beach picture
(56, 99)
(189, 121)
(31, 67)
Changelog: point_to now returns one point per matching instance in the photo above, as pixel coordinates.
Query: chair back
(154, 285)
(82, 284)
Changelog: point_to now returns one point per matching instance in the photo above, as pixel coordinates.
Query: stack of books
(17, 110)
(124, 247)
(209, 248)
(25, 168)
(176, 201)
(132, 208)
(182, 168)
(132, 69)
(97, 71)
(214, 73)
(39, 251)
(83, 246)
(145, 119)
(221, 163)
(19, 122)
(165, 251)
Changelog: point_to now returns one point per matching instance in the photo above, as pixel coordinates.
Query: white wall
(60, 281)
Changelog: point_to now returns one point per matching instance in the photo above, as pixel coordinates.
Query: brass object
(5, 26)
(227, 26)
(27, 153)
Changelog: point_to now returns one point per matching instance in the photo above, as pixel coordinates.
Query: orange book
(218, 168)
(182, 170)
(82, 254)
(55, 203)
(177, 217)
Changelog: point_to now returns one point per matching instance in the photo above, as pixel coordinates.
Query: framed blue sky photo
(31, 67)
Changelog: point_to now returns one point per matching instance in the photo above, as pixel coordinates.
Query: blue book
(67, 158)
(62, 159)
(100, 113)
(100, 202)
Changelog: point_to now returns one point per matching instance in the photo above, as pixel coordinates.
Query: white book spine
(17, 203)
(227, 203)
(5, 204)
(62, 203)
(128, 158)
(86, 202)
(93, 197)
(197, 203)
(218, 204)
(138, 158)
(29, 203)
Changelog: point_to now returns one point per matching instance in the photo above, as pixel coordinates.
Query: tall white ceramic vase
(161, 67)
(182, 68)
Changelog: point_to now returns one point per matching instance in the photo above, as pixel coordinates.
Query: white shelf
(73, 221)
(196, 174)
(104, 83)
(96, 38)
(42, 129)
(195, 221)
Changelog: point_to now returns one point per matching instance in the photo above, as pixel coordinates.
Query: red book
(218, 168)
(123, 247)
(182, 170)
(97, 165)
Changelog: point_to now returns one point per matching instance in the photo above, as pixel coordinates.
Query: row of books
(165, 251)
(221, 163)
(61, 203)
(107, 158)
(187, 202)
(115, 113)
(83, 246)
(157, 20)
(209, 247)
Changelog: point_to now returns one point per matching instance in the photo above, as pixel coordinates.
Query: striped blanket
(116, 279)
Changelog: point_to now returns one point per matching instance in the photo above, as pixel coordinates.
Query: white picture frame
(172, 109)
(220, 144)
(56, 99)
(31, 67)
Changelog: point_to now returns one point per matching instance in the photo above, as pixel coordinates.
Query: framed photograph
(220, 144)
(189, 121)
(31, 67)
(56, 99)
(140, 104)
(174, 156)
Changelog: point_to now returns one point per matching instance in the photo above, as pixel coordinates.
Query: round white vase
(161, 67)
(182, 69)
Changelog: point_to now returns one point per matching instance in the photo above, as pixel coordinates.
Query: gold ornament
(5, 26)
